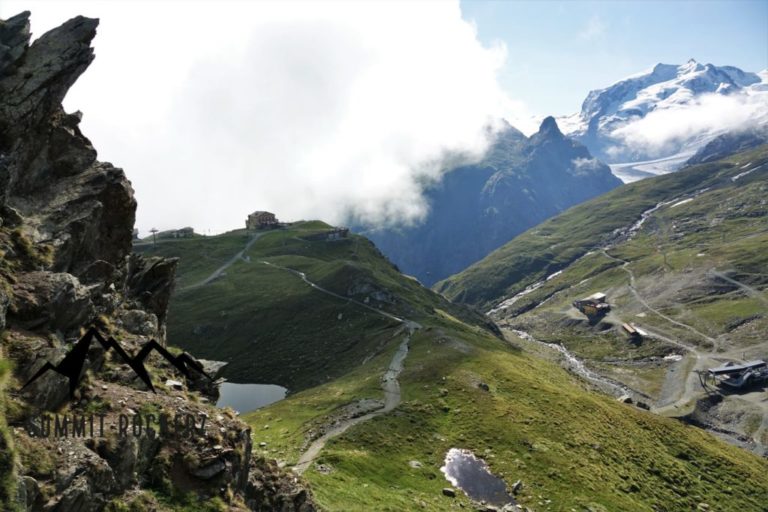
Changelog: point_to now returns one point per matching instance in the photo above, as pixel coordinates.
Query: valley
(689, 274)
(542, 339)
(369, 427)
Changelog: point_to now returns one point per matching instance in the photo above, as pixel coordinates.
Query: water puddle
(471, 475)
(249, 397)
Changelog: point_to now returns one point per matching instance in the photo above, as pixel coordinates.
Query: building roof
(737, 368)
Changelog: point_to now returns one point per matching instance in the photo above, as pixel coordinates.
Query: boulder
(211, 470)
(138, 321)
(28, 494)
(51, 300)
(150, 284)
(174, 384)
(209, 383)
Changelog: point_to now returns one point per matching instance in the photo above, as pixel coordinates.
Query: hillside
(530, 420)
(271, 326)
(680, 256)
(520, 182)
(421, 376)
(557, 243)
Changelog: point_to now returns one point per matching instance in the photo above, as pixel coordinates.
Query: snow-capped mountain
(652, 122)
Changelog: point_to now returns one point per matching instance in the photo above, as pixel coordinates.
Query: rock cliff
(66, 224)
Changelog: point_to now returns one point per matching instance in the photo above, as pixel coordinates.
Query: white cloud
(665, 131)
(307, 109)
(586, 164)
(594, 29)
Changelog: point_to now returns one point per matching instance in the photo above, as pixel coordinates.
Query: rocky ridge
(66, 224)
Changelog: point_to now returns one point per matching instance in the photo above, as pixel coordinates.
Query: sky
(557, 51)
(318, 109)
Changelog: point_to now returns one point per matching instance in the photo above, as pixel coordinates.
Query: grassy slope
(537, 423)
(560, 241)
(268, 323)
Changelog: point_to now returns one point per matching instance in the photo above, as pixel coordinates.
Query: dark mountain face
(477, 208)
(729, 143)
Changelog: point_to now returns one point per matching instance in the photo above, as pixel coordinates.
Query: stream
(577, 366)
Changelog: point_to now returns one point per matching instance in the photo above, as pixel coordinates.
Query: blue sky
(558, 51)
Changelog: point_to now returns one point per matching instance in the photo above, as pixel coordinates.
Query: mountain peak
(690, 66)
(549, 127)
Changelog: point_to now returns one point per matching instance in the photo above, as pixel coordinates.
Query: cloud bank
(308, 109)
(666, 131)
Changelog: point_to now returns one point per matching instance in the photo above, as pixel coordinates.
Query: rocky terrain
(66, 224)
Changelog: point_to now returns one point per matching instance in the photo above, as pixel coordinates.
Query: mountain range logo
(72, 364)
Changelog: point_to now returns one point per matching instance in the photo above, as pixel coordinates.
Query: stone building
(261, 220)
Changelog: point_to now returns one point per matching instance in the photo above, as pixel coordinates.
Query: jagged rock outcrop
(66, 227)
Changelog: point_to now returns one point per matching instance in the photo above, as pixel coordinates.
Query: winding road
(391, 387)
(390, 384)
(319, 288)
(219, 271)
(752, 292)
(625, 267)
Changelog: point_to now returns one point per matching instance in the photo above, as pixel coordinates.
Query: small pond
(248, 397)
(471, 475)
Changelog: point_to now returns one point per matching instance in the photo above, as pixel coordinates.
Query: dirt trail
(319, 288)
(219, 271)
(752, 292)
(682, 384)
(625, 267)
(390, 384)
(391, 387)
